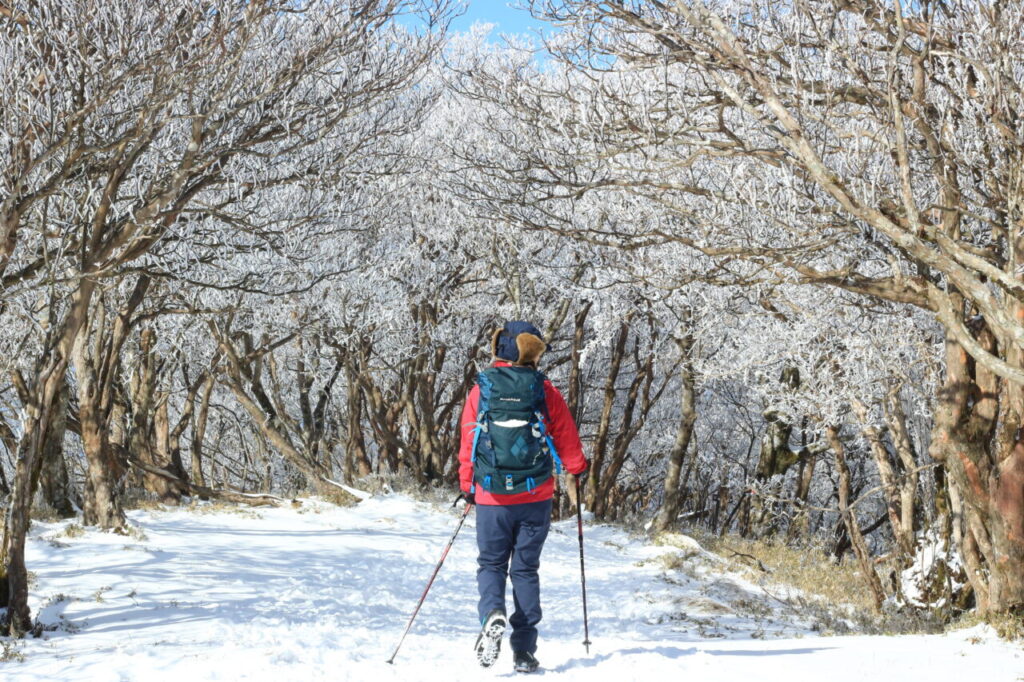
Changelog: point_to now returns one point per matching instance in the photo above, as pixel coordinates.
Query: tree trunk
(13, 572)
(104, 474)
(630, 425)
(357, 463)
(849, 518)
(97, 359)
(687, 418)
(977, 436)
(907, 456)
(42, 397)
(10, 443)
(891, 488)
(199, 431)
(574, 397)
(148, 442)
(601, 437)
(54, 484)
(801, 523)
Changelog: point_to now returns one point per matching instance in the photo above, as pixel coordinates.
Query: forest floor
(323, 593)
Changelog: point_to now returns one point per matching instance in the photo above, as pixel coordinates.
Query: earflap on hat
(530, 349)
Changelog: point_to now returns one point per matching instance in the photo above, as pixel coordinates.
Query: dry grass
(809, 569)
(222, 507)
(44, 513)
(9, 652)
(72, 530)
(436, 492)
(340, 498)
(136, 533)
(1009, 626)
(680, 562)
(135, 498)
(56, 599)
(684, 560)
(832, 596)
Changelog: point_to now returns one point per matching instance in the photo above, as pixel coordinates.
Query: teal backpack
(512, 451)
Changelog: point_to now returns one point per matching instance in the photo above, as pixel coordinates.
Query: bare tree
(134, 126)
(863, 146)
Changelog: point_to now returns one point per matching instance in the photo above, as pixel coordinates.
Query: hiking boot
(488, 644)
(525, 662)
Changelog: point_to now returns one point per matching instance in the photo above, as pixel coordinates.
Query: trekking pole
(437, 568)
(583, 573)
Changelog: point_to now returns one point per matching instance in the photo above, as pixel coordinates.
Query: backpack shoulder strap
(483, 380)
(480, 430)
(539, 397)
(540, 404)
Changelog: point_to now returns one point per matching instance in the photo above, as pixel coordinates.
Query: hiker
(516, 429)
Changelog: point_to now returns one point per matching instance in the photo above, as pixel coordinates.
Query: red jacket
(562, 429)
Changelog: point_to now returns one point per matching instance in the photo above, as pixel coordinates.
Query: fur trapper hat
(519, 343)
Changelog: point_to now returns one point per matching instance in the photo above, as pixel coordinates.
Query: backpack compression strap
(542, 415)
(547, 442)
(483, 405)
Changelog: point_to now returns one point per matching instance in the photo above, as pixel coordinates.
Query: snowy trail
(322, 593)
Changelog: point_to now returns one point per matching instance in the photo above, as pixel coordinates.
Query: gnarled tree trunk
(54, 483)
(849, 517)
(978, 438)
(40, 399)
(684, 432)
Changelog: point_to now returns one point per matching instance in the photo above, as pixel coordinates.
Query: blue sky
(498, 12)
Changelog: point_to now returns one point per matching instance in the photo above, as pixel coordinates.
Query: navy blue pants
(513, 534)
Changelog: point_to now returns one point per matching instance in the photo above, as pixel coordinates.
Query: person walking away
(516, 431)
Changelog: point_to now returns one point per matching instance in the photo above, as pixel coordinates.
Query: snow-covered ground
(323, 593)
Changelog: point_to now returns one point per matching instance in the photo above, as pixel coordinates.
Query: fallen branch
(195, 489)
(354, 492)
(759, 563)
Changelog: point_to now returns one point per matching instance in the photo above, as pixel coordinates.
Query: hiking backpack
(512, 451)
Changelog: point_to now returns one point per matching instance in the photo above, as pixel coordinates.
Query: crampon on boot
(488, 644)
